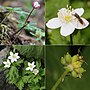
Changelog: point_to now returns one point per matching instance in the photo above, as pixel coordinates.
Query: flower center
(35, 71)
(14, 56)
(31, 66)
(67, 18)
(76, 64)
(7, 63)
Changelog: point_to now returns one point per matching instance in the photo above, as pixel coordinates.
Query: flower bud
(68, 58)
(75, 58)
(76, 64)
(36, 5)
(74, 74)
(28, 21)
(63, 61)
(80, 70)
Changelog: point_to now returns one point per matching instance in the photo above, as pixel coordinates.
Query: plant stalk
(71, 39)
(25, 24)
(29, 15)
(61, 79)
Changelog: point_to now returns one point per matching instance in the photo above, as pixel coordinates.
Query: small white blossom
(7, 63)
(31, 66)
(13, 57)
(35, 71)
(68, 21)
(36, 5)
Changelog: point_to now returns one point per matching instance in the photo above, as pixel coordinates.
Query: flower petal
(81, 26)
(53, 23)
(11, 53)
(79, 11)
(4, 62)
(31, 69)
(12, 60)
(8, 61)
(17, 57)
(10, 57)
(33, 63)
(67, 29)
(29, 63)
(27, 68)
(16, 54)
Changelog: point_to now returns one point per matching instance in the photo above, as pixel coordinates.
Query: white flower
(68, 21)
(35, 71)
(31, 66)
(36, 5)
(7, 64)
(13, 57)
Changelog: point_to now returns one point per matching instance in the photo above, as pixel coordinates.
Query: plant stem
(29, 15)
(71, 39)
(25, 24)
(19, 29)
(60, 79)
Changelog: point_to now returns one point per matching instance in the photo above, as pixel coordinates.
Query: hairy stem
(61, 78)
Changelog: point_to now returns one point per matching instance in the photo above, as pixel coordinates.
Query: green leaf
(55, 37)
(30, 51)
(22, 12)
(25, 78)
(12, 75)
(38, 64)
(22, 18)
(42, 72)
(17, 9)
(18, 63)
(20, 84)
(31, 26)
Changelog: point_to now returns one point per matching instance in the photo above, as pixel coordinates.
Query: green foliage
(38, 34)
(30, 51)
(20, 84)
(17, 10)
(55, 37)
(12, 75)
(25, 79)
(32, 26)
(22, 18)
(18, 62)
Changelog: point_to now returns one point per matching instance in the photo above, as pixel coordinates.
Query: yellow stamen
(67, 18)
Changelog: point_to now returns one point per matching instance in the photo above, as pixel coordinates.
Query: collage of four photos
(44, 44)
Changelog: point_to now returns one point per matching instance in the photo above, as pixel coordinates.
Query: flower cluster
(73, 64)
(12, 58)
(68, 19)
(31, 67)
